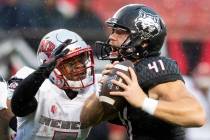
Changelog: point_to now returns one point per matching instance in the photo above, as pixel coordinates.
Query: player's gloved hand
(49, 65)
(106, 71)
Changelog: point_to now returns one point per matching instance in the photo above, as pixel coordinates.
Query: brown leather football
(114, 103)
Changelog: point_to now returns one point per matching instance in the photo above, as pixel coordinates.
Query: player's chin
(115, 48)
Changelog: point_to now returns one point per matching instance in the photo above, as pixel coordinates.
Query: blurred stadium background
(24, 22)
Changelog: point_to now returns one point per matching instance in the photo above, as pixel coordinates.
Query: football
(114, 103)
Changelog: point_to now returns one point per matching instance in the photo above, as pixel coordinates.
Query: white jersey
(3, 93)
(57, 117)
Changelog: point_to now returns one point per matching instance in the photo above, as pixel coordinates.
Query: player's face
(117, 36)
(74, 69)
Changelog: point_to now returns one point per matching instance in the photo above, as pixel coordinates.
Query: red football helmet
(73, 71)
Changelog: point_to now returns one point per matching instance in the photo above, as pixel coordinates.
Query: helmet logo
(47, 47)
(147, 24)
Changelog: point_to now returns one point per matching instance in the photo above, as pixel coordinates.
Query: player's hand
(133, 93)
(106, 71)
(49, 65)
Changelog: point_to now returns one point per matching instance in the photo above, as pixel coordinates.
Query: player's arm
(93, 112)
(23, 101)
(104, 107)
(169, 101)
(11, 117)
(5, 114)
(177, 105)
(8, 116)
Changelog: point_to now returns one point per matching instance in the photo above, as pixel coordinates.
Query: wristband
(150, 105)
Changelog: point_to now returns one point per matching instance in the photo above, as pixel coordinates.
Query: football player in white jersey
(48, 100)
(3, 97)
(5, 111)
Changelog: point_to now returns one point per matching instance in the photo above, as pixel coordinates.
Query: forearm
(93, 112)
(23, 101)
(184, 112)
(177, 105)
(6, 115)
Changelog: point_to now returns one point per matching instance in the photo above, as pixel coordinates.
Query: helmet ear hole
(136, 41)
(145, 43)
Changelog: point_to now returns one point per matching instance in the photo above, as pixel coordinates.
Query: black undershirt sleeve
(23, 101)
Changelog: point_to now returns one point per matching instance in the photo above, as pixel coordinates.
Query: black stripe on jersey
(126, 122)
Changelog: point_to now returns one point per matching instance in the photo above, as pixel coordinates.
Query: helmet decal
(46, 46)
(44, 50)
(147, 24)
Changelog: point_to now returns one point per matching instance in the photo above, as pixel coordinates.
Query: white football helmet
(73, 71)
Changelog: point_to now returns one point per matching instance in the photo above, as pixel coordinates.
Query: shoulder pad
(14, 81)
(156, 70)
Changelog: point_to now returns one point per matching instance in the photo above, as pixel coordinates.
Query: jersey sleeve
(3, 93)
(156, 70)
